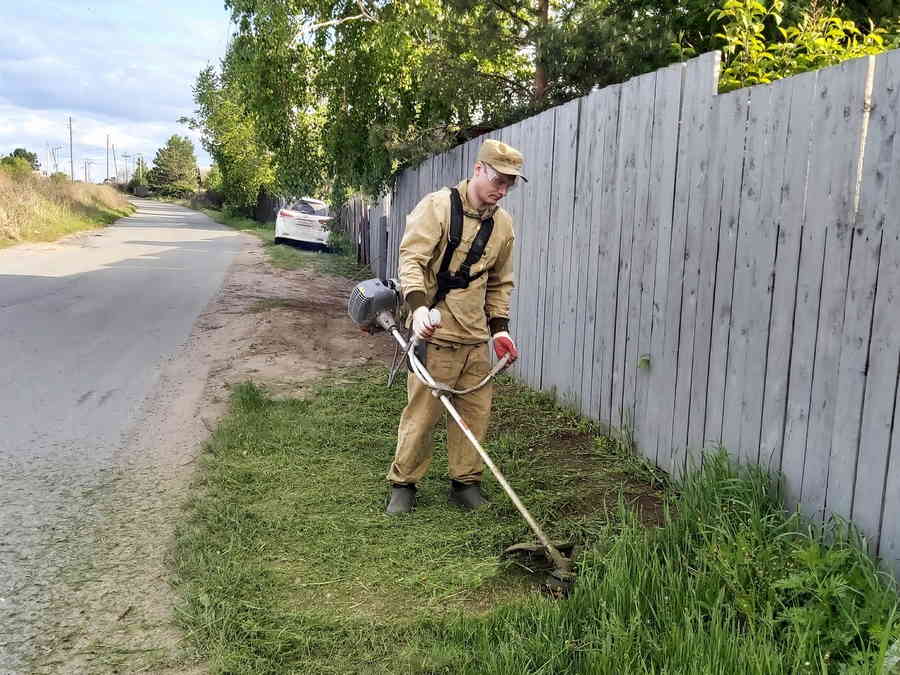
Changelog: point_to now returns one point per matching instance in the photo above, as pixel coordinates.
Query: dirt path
(114, 612)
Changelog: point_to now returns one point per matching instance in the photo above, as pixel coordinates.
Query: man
(471, 287)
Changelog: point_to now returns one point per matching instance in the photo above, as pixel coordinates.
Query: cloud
(121, 69)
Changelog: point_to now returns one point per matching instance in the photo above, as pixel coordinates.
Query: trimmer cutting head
(558, 564)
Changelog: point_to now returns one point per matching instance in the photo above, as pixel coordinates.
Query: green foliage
(30, 157)
(174, 172)
(214, 179)
(16, 167)
(819, 39)
(231, 136)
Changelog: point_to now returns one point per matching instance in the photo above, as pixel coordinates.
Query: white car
(303, 220)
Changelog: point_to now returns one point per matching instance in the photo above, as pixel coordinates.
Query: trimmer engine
(374, 304)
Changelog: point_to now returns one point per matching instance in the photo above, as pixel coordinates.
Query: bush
(16, 167)
(819, 39)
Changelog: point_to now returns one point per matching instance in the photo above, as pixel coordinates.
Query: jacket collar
(480, 214)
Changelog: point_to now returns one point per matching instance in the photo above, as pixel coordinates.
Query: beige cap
(504, 158)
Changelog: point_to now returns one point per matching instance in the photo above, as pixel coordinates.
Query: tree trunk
(540, 73)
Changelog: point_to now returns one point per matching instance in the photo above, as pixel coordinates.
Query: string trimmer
(374, 305)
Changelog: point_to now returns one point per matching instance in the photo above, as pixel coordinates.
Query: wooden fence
(715, 270)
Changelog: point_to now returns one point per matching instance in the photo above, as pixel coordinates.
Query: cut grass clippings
(288, 563)
(337, 263)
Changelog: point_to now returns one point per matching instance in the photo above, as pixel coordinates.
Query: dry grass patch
(35, 208)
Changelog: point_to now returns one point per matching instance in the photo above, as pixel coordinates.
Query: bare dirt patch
(114, 612)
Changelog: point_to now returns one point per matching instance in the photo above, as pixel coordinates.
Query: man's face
(491, 186)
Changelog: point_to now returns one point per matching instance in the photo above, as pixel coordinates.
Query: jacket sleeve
(500, 284)
(421, 238)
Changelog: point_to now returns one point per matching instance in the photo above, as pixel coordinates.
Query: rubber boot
(403, 499)
(466, 496)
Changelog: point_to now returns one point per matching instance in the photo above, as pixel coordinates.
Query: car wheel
(279, 240)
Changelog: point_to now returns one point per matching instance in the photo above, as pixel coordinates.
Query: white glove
(425, 321)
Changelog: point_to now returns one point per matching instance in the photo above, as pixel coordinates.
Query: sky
(123, 69)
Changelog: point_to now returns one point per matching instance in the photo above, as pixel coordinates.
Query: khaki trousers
(461, 367)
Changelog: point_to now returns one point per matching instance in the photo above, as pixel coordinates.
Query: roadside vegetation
(37, 208)
(288, 563)
(340, 260)
(329, 99)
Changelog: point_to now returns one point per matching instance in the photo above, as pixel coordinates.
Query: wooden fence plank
(583, 266)
(666, 123)
(700, 86)
(558, 343)
(640, 282)
(630, 140)
(831, 193)
(608, 288)
(604, 245)
(658, 213)
(879, 206)
(865, 250)
(732, 109)
(791, 215)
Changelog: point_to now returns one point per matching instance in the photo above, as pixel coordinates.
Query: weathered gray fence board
(889, 540)
(662, 193)
(879, 206)
(733, 109)
(865, 249)
(701, 80)
(636, 215)
(584, 261)
(792, 196)
(558, 342)
(757, 245)
(607, 281)
(624, 196)
(530, 234)
(658, 212)
(831, 190)
(695, 93)
(717, 161)
(513, 204)
(604, 246)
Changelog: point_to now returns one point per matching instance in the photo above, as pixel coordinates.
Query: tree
(230, 135)
(174, 171)
(30, 157)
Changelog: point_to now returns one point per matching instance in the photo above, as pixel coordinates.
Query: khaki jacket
(465, 311)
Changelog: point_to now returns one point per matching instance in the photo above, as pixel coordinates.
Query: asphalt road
(84, 326)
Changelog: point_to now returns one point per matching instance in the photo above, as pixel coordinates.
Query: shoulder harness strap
(448, 281)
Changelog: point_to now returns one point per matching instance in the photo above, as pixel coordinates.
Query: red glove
(503, 345)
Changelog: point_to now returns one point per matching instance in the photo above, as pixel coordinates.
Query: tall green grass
(731, 584)
(289, 565)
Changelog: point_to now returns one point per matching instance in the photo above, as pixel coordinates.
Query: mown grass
(289, 565)
(341, 261)
(35, 208)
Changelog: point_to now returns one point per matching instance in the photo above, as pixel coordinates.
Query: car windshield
(309, 208)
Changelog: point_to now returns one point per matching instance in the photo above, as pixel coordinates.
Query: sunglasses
(498, 179)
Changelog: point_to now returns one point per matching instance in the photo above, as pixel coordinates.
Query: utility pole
(115, 163)
(126, 156)
(55, 156)
(71, 155)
